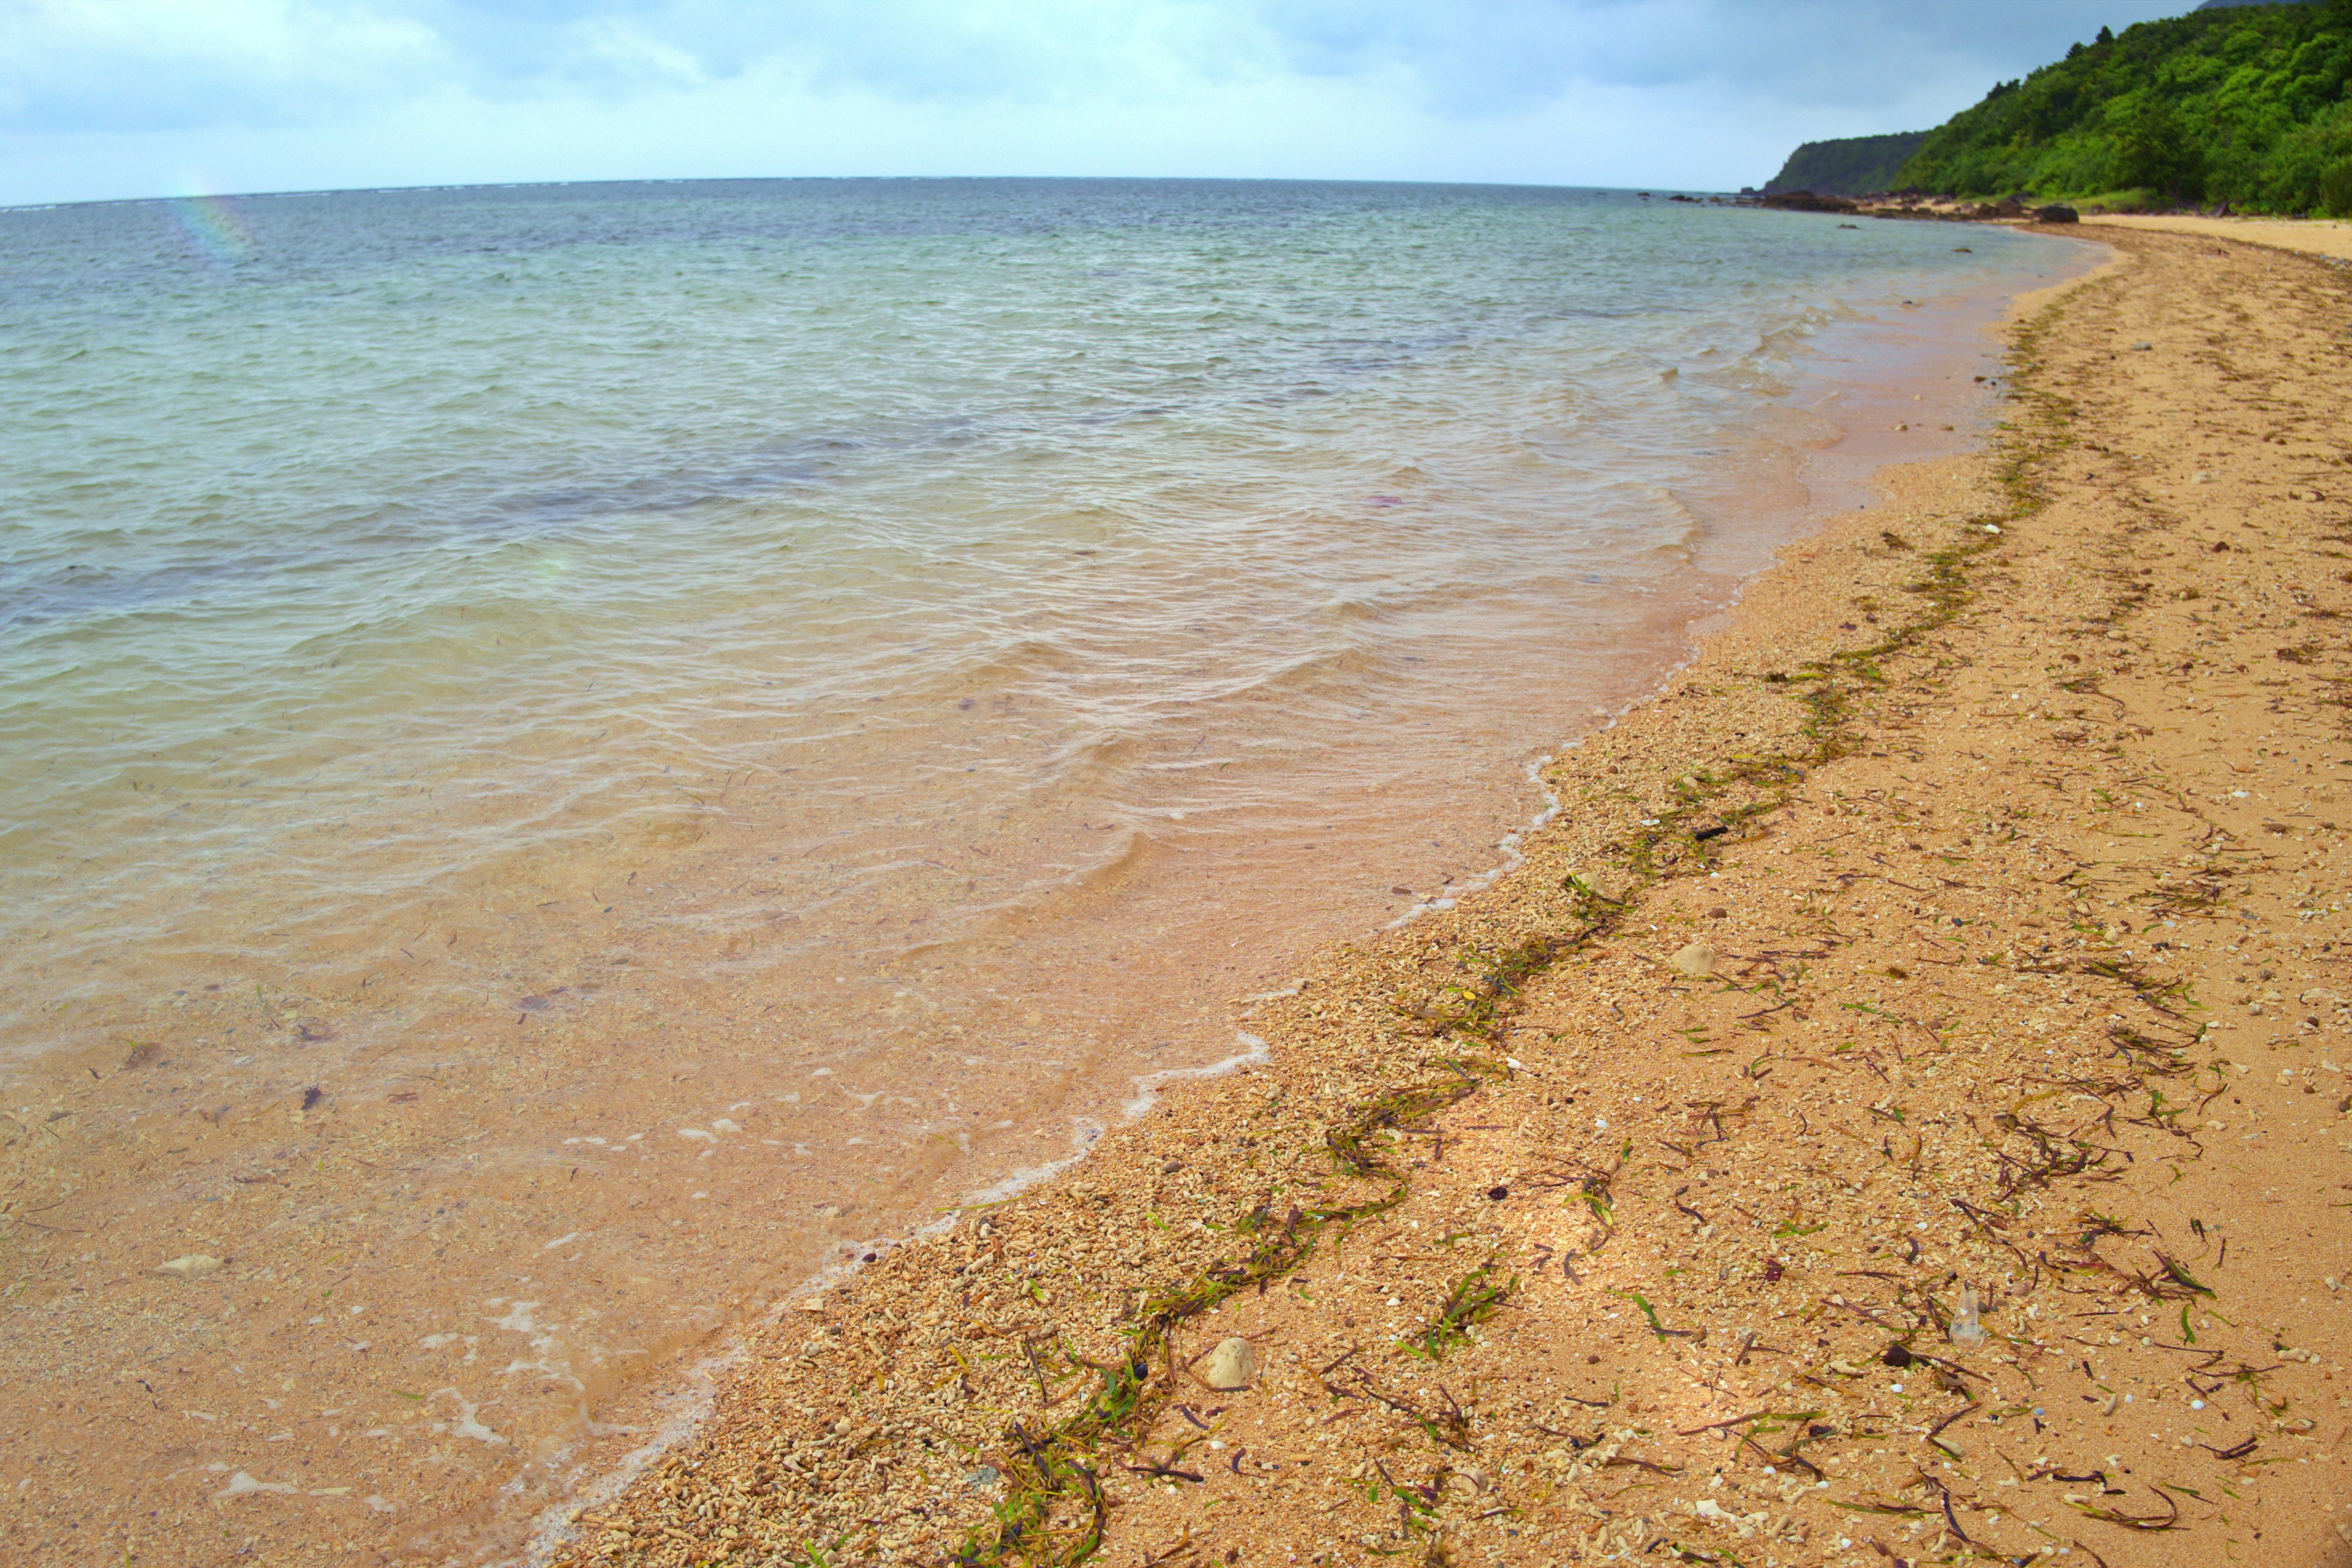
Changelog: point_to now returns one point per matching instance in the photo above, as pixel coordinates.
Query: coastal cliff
(1848, 167)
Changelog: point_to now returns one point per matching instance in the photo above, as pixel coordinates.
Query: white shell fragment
(1965, 1329)
(1698, 960)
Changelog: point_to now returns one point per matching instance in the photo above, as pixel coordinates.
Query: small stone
(1232, 1365)
(1696, 960)
(1608, 886)
(194, 1266)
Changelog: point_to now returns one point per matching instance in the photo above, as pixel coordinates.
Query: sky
(111, 98)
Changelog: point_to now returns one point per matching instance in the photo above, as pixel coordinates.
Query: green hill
(2249, 104)
(1849, 166)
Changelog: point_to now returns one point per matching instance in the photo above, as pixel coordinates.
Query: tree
(2335, 189)
(2153, 150)
(2106, 35)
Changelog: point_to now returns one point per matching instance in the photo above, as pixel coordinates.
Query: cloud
(139, 65)
(1664, 91)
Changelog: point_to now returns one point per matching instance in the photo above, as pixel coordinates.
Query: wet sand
(1895, 1113)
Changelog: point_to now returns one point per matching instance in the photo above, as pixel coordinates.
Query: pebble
(194, 1266)
(1232, 1365)
(1698, 960)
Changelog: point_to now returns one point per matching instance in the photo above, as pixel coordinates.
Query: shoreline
(1963, 330)
(1044, 1290)
(533, 1298)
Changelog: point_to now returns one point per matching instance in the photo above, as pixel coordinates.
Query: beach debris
(1232, 1365)
(243, 1485)
(1965, 1329)
(1698, 960)
(193, 1265)
(1609, 886)
(985, 1477)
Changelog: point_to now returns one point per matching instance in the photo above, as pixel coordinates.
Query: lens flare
(213, 227)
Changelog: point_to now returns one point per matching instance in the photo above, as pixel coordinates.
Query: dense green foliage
(1849, 166)
(2249, 104)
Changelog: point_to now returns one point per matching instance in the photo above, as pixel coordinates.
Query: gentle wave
(662, 656)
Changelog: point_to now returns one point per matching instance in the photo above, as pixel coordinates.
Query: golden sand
(2314, 236)
(1896, 1114)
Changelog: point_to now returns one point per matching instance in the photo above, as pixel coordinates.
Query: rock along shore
(1896, 1114)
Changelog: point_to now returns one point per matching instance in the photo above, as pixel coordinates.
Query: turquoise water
(357, 548)
(1054, 597)
(633, 741)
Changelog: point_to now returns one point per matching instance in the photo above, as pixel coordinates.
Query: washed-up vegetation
(1899, 1218)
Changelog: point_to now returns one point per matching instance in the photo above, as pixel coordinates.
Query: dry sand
(2316, 237)
(1966, 924)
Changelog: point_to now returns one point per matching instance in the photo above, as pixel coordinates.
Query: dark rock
(1807, 202)
(2057, 212)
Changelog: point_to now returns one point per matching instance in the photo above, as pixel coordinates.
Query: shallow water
(790, 696)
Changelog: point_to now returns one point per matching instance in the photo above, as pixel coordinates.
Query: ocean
(572, 755)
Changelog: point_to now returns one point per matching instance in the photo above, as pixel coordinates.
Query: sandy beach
(1896, 1114)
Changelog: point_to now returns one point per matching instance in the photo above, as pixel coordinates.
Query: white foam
(1512, 858)
(1148, 1087)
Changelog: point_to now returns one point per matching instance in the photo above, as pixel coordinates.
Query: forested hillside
(1848, 167)
(2244, 104)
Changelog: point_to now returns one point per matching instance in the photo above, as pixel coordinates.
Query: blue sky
(102, 98)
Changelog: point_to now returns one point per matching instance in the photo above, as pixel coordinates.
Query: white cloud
(68, 64)
(117, 96)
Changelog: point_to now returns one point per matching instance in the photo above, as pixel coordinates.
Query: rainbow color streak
(214, 229)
